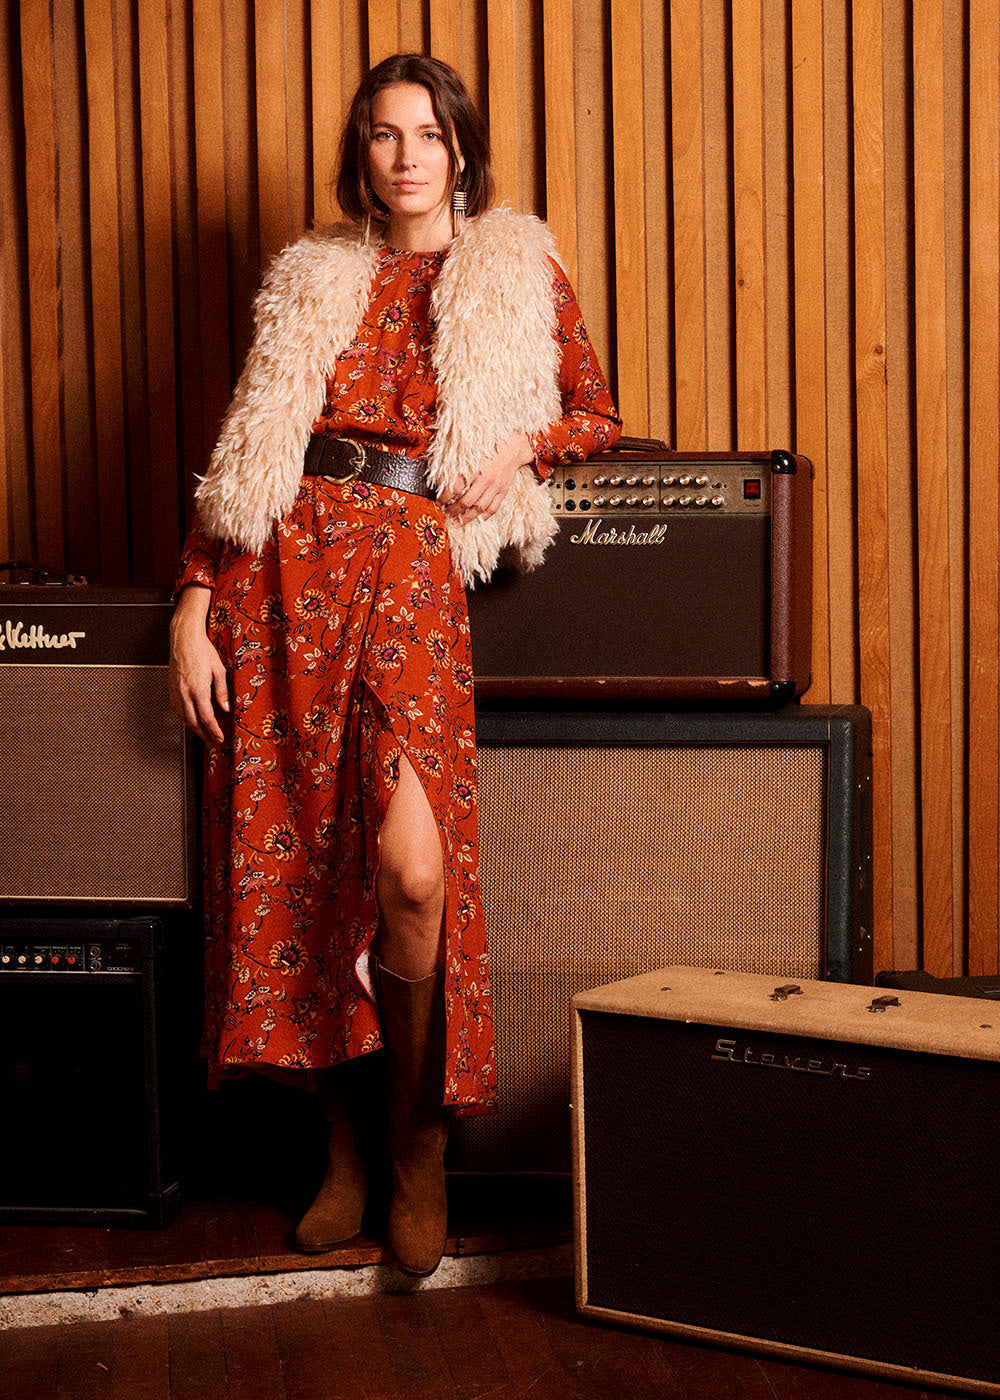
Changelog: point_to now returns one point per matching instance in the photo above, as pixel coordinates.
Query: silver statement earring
(366, 232)
(459, 203)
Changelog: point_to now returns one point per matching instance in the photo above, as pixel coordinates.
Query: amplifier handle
(40, 574)
(640, 444)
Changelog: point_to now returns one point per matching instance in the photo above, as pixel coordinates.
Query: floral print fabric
(346, 641)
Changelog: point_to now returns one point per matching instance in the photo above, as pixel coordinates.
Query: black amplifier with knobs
(672, 576)
(87, 1059)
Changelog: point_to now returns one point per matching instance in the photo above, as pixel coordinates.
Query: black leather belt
(343, 459)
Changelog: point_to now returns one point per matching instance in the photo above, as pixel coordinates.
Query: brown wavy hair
(455, 114)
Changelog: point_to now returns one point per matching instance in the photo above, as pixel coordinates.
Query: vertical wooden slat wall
(783, 223)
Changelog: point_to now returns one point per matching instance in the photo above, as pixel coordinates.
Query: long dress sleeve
(199, 559)
(590, 421)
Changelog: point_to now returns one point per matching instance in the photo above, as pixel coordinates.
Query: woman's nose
(405, 153)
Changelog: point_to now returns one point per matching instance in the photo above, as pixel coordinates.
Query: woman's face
(408, 154)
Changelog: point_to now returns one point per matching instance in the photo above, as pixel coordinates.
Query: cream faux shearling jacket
(495, 357)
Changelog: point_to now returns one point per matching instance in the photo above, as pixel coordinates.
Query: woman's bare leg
(410, 882)
(410, 981)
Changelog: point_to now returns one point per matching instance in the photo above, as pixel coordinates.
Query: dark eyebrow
(427, 126)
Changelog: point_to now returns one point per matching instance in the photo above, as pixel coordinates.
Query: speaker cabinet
(94, 766)
(615, 841)
(82, 1075)
(806, 1169)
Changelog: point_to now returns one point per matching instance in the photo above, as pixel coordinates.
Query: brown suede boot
(413, 1030)
(335, 1214)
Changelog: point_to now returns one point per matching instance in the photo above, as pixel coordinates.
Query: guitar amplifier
(802, 1168)
(92, 1063)
(672, 576)
(95, 766)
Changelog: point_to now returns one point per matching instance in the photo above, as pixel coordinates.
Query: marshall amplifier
(94, 764)
(672, 576)
(801, 1168)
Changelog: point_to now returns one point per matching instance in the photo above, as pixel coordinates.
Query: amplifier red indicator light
(751, 489)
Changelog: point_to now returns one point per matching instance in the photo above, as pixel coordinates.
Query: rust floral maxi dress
(346, 641)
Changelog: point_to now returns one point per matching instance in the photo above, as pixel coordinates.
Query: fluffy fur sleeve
(497, 364)
(311, 300)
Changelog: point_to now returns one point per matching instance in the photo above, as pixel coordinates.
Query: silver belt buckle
(357, 466)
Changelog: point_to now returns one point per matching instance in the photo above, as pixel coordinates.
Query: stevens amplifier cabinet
(94, 768)
(671, 576)
(802, 1168)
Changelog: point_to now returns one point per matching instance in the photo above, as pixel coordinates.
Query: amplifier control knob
(684, 480)
(684, 501)
(600, 502)
(648, 502)
(701, 500)
(631, 481)
(21, 959)
(615, 481)
(669, 501)
(668, 481)
(38, 959)
(5, 959)
(615, 501)
(600, 481)
(717, 501)
(649, 481)
(701, 481)
(631, 502)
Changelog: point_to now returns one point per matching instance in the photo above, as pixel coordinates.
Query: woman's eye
(433, 135)
(382, 136)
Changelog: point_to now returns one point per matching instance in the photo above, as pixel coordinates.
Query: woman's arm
(196, 677)
(589, 421)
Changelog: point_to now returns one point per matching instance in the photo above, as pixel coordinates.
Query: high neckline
(387, 250)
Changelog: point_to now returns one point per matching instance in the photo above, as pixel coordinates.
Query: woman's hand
(482, 495)
(197, 677)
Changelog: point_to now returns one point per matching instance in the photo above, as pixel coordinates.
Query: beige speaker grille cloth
(93, 774)
(598, 863)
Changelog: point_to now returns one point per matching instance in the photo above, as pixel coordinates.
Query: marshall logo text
(735, 1054)
(14, 636)
(593, 534)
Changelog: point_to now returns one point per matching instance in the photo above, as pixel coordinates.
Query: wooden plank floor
(503, 1341)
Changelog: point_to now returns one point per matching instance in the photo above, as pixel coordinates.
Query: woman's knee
(412, 885)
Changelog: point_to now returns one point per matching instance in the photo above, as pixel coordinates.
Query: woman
(428, 370)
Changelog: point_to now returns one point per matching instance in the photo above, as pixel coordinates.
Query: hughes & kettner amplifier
(94, 765)
(803, 1168)
(672, 575)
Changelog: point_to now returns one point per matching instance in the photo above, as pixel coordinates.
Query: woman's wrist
(191, 608)
(525, 450)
